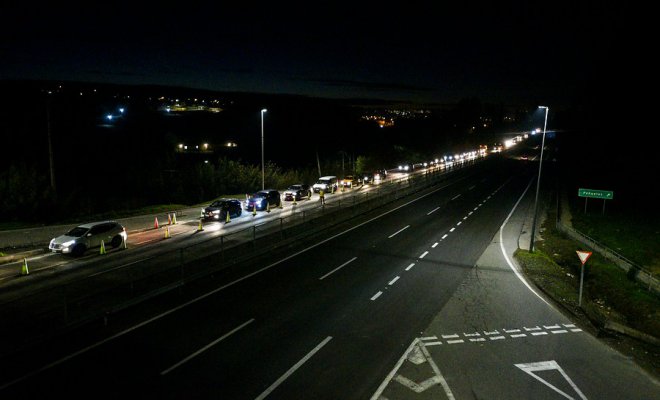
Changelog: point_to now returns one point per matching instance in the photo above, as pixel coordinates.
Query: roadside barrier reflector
(24, 267)
(102, 251)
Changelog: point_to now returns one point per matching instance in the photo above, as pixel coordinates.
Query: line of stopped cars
(78, 240)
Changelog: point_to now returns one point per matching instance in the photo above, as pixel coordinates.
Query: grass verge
(608, 293)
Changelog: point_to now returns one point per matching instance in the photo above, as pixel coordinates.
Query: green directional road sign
(596, 194)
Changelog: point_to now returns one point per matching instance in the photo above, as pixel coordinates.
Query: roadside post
(584, 256)
(595, 194)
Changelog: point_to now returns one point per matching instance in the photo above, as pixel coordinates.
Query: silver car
(88, 236)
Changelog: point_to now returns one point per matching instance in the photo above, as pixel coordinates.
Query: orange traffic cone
(156, 223)
(169, 219)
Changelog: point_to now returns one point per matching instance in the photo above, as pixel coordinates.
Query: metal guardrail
(45, 312)
(636, 271)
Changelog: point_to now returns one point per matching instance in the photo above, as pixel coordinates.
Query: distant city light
(109, 117)
(121, 110)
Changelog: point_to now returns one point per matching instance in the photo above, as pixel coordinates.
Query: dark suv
(218, 210)
(262, 199)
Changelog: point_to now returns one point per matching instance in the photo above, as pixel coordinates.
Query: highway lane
(499, 338)
(342, 332)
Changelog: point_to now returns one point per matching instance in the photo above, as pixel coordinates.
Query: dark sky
(515, 52)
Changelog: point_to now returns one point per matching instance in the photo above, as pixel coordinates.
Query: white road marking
(536, 328)
(551, 326)
(519, 335)
(434, 244)
(506, 257)
(471, 334)
(464, 218)
(497, 337)
(433, 343)
(293, 369)
(377, 295)
(393, 281)
(470, 213)
(512, 330)
(445, 235)
(399, 231)
(424, 254)
(389, 376)
(491, 333)
(455, 341)
(576, 330)
(547, 366)
(208, 346)
(452, 229)
(539, 333)
(475, 209)
(432, 211)
(449, 336)
(478, 340)
(459, 222)
(338, 268)
(472, 187)
(569, 325)
(429, 338)
(410, 266)
(456, 197)
(560, 331)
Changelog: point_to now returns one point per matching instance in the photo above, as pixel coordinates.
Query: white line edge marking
(436, 370)
(519, 335)
(464, 218)
(459, 222)
(539, 333)
(393, 281)
(293, 369)
(560, 331)
(452, 229)
(455, 341)
(389, 376)
(515, 271)
(471, 212)
(338, 268)
(449, 336)
(399, 231)
(410, 266)
(434, 244)
(456, 197)
(214, 291)
(547, 366)
(433, 343)
(208, 346)
(429, 338)
(424, 254)
(432, 211)
(497, 337)
(377, 295)
(445, 235)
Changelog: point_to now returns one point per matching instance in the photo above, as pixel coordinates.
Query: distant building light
(121, 110)
(181, 145)
(206, 146)
(185, 147)
(206, 161)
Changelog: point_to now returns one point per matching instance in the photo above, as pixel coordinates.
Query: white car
(88, 236)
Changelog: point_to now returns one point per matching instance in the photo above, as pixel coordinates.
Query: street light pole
(263, 174)
(538, 182)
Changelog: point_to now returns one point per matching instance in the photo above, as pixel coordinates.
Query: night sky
(552, 53)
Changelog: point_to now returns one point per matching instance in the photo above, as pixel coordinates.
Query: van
(326, 183)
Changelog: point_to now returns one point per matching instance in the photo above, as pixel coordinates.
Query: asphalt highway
(337, 319)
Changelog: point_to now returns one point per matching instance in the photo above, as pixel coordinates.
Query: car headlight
(69, 243)
(216, 212)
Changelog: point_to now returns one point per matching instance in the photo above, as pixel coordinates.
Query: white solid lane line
(399, 231)
(338, 268)
(432, 211)
(293, 369)
(208, 346)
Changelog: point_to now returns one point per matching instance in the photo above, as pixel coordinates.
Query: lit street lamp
(263, 175)
(538, 182)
